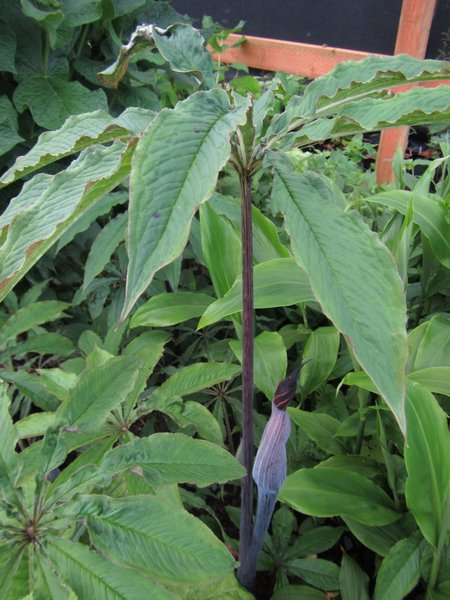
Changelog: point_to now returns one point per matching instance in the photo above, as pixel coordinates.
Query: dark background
(368, 25)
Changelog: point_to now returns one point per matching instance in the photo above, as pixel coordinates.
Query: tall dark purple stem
(244, 573)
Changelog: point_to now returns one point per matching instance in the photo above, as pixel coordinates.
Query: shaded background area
(368, 25)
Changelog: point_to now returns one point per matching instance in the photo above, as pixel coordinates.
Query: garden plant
(140, 236)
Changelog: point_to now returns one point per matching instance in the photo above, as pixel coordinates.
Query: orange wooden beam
(412, 37)
(306, 60)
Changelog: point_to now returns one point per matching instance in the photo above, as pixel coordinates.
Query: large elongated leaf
(175, 169)
(66, 197)
(103, 247)
(351, 80)
(180, 44)
(10, 462)
(77, 133)
(30, 316)
(195, 378)
(428, 213)
(329, 492)
(270, 361)
(415, 107)
(217, 234)
(167, 458)
(427, 459)
(170, 309)
(98, 391)
(159, 538)
(278, 282)
(321, 350)
(352, 275)
(400, 570)
(93, 576)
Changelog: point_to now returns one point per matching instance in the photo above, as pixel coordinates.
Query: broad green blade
(157, 537)
(427, 460)
(180, 44)
(270, 361)
(428, 213)
(417, 106)
(278, 282)
(195, 378)
(98, 391)
(91, 575)
(66, 197)
(10, 461)
(323, 574)
(219, 234)
(400, 570)
(435, 379)
(351, 80)
(320, 427)
(29, 317)
(77, 133)
(353, 277)
(328, 492)
(189, 413)
(167, 458)
(103, 247)
(170, 309)
(175, 169)
(321, 350)
(353, 581)
(228, 588)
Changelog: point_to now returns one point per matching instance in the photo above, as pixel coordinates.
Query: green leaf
(427, 460)
(428, 213)
(351, 80)
(316, 571)
(321, 349)
(14, 571)
(326, 492)
(29, 317)
(379, 539)
(278, 282)
(170, 180)
(353, 581)
(10, 461)
(62, 200)
(168, 309)
(77, 133)
(159, 538)
(103, 247)
(195, 378)
(270, 361)
(320, 427)
(400, 570)
(47, 585)
(47, 19)
(434, 379)
(44, 343)
(35, 425)
(193, 414)
(314, 541)
(51, 100)
(266, 243)
(295, 592)
(7, 49)
(30, 386)
(217, 234)
(228, 588)
(414, 107)
(167, 458)
(93, 576)
(98, 391)
(180, 44)
(352, 275)
(429, 344)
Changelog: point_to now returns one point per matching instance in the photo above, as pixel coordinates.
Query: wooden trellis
(309, 60)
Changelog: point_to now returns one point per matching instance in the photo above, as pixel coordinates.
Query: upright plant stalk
(245, 538)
